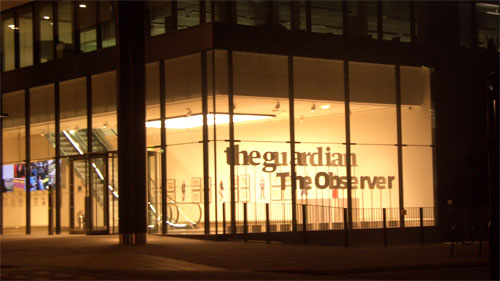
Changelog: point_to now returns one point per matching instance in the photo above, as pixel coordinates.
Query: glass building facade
(234, 138)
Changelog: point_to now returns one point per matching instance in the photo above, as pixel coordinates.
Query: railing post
(245, 222)
(385, 226)
(304, 222)
(268, 224)
(421, 225)
(223, 218)
(346, 229)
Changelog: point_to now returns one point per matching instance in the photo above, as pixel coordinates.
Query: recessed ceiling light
(325, 106)
(82, 6)
(46, 17)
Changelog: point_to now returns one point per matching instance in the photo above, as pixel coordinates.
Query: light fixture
(11, 26)
(196, 120)
(46, 17)
(105, 125)
(301, 119)
(325, 106)
(189, 112)
(313, 107)
(277, 106)
(3, 115)
(82, 6)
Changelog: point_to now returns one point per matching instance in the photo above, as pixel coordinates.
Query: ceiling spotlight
(105, 125)
(325, 106)
(277, 106)
(301, 119)
(189, 112)
(76, 128)
(11, 26)
(82, 6)
(313, 107)
(46, 17)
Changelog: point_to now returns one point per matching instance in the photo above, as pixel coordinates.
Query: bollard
(304, 222)
(346, 230)
(245, 222)
(223, 218)
(268, 224)
(421, 225)
(385, 226)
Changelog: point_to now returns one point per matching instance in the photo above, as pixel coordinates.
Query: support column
(131, 70)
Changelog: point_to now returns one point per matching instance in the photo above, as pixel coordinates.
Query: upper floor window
(487, 20)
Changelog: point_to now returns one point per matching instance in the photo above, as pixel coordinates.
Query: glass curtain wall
(362, 16)
(487, 25)
(104, 123)
(262, 171)
(396, 20)
(8, 46)
(107, 23)
(184, 151)
(42, 153)
(25, 30)
(65, 14)
(45, 20)
(14, 163)
(320, 136)
(373, 120)
(161, 18)
(326, 17)
(87, 25)
(188, 13)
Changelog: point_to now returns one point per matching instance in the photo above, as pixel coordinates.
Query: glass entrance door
(89, 194)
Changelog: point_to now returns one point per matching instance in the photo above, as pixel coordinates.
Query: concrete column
(130, 22)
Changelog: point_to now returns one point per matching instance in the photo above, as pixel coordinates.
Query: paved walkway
(100, 257)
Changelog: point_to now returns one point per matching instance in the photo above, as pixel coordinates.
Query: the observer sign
(322, 157)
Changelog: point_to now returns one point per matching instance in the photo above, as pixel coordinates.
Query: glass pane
(8, 42)
(373, 103)
(73, 114)
(113, 191)
(42, 116)
(46, 44)
(184, 148)
(153, 137)
(14, 155)
(25, 36)
(418, 177)
(464, 9)
(284, 13)
(79, 191)
(160, 17)
(253, 12)
(396, 20)
(107, 20)
(416, 109)
(326, 17)
(487, 25)
(104, 123)
(97, 193)
(65, 28)
(362, 19)
(87, 25)
(188, 13)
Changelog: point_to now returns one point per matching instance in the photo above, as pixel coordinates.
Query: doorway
(89, 194)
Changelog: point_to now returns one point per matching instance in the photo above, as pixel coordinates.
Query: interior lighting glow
(98, 172)
(196, 120)
(46, 17)
(75, 145)
(82, 6)
(11, 26)
(325, 106)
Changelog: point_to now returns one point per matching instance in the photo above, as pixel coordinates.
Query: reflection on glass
(8, 47)
(362, 19)
(396, 21)
(188, 13)
(487, 25)
(104, 122)
(65, 28)
(87, 25)
(160, 17)
(107, 20)
(254, 12)
(73, 114)
(25, 36)
(46, 22)
(326, 17)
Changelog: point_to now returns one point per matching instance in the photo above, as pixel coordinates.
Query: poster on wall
(196, 184)
(196, 196)
(244, 194)
(170, 185)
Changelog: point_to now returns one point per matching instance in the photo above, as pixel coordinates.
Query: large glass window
(373, 137)
(107, 21)
(487, 24)
(46, 22)
(25, 18)
(396, 20)
(14, 157)
(73, 114)
(465, 21)
(87, 25)
(65, 28)
(188, 13)
(362, 19)
(8, 47)
(254, 12)
(42, 152)
(326, 17)
(320, 135)
(160, 17)
(104, 123)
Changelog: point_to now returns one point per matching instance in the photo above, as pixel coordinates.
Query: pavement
(100, 257)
